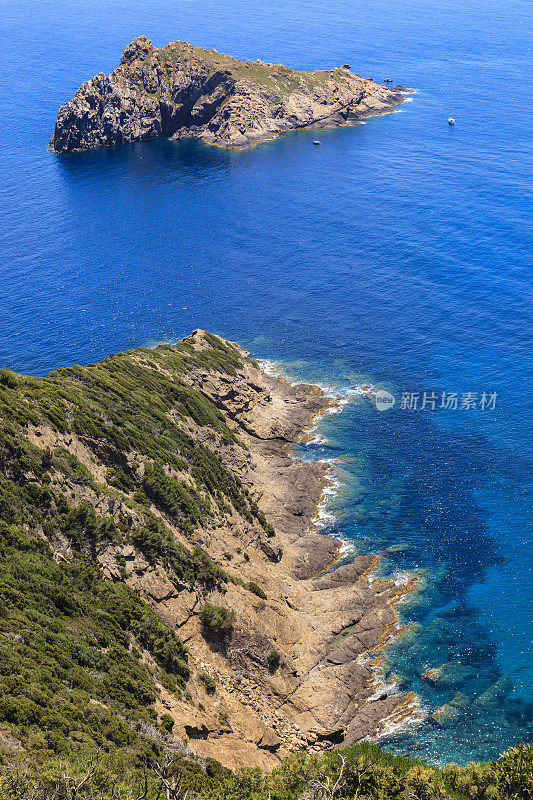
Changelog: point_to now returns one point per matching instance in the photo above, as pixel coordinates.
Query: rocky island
(185, 92)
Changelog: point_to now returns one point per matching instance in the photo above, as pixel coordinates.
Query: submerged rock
(182, 91)
(495, 692)
(446, 716)
(447, 675)
(460, 700)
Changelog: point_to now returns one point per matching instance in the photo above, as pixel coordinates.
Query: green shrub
(174, 497)
(273, 660)
(8, 378)
(167, 722)
(157, 543)
(255, 589)
(209, 682)
(514, 772)
(216, 617)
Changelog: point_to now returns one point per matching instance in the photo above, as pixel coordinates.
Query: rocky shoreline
(298, 666)
(327, 625)
(185, 92)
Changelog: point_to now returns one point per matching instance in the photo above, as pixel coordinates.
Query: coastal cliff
(168, 471)
(185, 92)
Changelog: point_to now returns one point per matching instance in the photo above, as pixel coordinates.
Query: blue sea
(395, 253)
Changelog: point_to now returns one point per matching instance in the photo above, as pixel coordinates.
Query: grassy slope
(276, 78)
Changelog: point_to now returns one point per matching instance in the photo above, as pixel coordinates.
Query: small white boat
(387, 80)
(315, 141)
(451, 121)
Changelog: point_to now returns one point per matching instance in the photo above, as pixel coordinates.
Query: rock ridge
(328, 624)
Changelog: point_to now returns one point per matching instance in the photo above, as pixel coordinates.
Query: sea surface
(395, 253)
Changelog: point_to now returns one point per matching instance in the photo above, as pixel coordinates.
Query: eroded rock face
(181, 91)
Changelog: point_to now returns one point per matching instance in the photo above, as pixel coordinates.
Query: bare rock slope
(182, 91)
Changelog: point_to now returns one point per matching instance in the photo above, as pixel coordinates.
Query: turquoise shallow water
(397, 252)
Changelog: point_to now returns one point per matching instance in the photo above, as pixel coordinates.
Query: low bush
(255, 589)
(216, 618)
(273, 660)
(209, 682)
(167, 722)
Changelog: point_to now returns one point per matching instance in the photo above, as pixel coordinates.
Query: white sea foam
(347, 546)
(402, 718)
(271, 368)
(324, 516)
(332, 489)
(383, 687)
(331, 460)
(342, 395)
(414, 716)
(399, 578)
(318, 438)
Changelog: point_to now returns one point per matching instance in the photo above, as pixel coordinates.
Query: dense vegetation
(131, 408)
(71, 671)
(216, 618)
(364, 772)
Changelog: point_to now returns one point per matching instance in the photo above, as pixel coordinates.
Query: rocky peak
(137, 49)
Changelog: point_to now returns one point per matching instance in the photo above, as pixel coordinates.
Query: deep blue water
(396, 252)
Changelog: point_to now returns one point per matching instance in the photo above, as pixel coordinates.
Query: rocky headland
(171, 470)
(185, 92)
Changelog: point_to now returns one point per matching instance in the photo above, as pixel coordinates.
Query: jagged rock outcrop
(182, 91)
